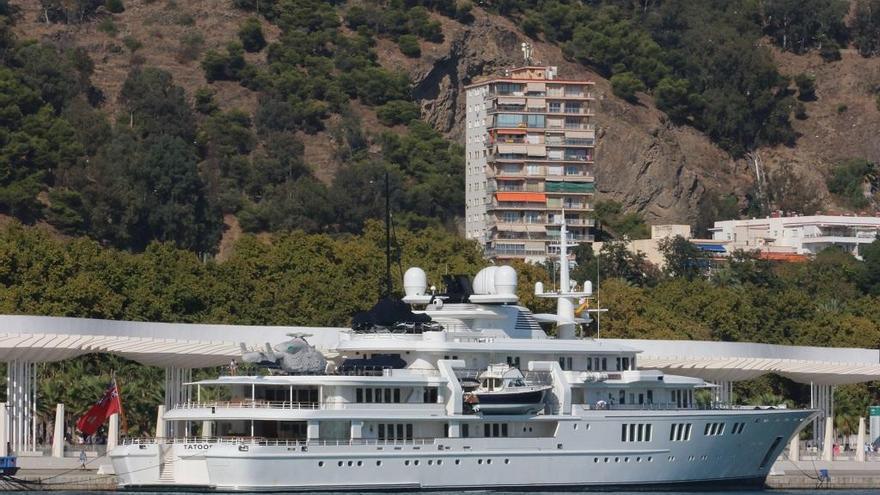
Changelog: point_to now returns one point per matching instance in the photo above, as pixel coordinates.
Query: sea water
(531, 492)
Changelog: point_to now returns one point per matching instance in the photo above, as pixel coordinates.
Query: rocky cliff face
(649, 166)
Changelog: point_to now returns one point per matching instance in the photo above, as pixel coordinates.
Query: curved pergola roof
(183, 345)
(736, 361)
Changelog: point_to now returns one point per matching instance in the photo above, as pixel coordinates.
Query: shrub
(397, 112)
(409, 46)
(625, 85)
(800, 111)
(251, 35)
(847, 181)
(842, 108)
(190, 46)
(806, 85)
(878, 101)
(224, 67)
(204, 101)
(132, 43)
(114, 6)
(108, 26)
(830, 53)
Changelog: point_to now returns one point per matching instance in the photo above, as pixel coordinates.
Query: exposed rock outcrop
(649, 166)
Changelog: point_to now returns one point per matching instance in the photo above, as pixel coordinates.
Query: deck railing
(277, 442)
(250, 404)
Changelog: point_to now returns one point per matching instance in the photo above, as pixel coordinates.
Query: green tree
(682, 258)
(409, 46)
(153, 105)
(251, 35)
(865, 27)
(397, 112)
(625, 85)
(870, 275)
(848, 179)
(806, 85)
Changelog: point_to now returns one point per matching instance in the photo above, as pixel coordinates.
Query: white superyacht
(468, 391)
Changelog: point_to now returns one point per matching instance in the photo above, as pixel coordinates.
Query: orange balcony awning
(511, 131)
(526, 197)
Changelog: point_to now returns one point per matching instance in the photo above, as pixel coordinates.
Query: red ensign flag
(109, 404)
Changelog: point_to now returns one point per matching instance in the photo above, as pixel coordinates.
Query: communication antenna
(527, 52)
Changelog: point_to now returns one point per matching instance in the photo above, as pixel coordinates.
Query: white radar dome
(484, 282)
(415, 282)
(505, 280)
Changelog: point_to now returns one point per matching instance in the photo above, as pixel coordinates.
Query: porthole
(617, 459)
(416, 462)
(339, 463)
(457, 462)
(638, 459)
(320, 463)
(595, 459)
(479, 461)
(360, 463)
(626, 459)
(588, 426)
(606, 459)
(378, 463)
(650, 459)
(575, 426)
(488, 461)
(430, 462)
(506, 461)
(406, 463)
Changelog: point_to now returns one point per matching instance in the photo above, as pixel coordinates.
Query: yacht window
(430, 395)
(487, 430)
(589, 364)
(625, 363)
(622, 397)
(617, 364)
(604, 364)
(687, 432)
(359, 395)
(409, 431)
(465, 430)
(513, 361)
(369, 395)
(640, 432)
(504, 429)
(381, 431)
(650, 396)
(632, 432)
(496, 430)
(632, 398)
(565, 362)
(641, 398)
(387, 395)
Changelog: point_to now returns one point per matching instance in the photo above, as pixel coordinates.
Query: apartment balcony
(505, 251)
(576, 222)
(515, 205)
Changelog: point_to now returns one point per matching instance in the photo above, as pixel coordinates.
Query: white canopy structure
(180, 347)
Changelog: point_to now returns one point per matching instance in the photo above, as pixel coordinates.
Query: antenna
(388, 285)
(527, 52)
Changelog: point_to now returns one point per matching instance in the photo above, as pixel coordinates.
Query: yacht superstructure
(394, 409)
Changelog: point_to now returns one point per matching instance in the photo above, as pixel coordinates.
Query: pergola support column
(175, 393)
(21, 396)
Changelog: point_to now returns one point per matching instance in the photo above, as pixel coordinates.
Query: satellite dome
(415, 282)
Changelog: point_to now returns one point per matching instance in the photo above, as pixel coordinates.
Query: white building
(798, 235)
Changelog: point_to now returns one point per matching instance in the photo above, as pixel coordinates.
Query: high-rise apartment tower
(530, 159)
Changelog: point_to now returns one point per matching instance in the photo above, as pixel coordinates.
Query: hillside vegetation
(137, 133)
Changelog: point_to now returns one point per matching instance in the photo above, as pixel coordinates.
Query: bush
(114, 6)
(842, 108)
(204, 101)
(847, 181)
(397, 112)
(251, 35)
(806, 85)
(224, 67)
(878, 101)
(108, 26)
(800, 111)
(625, 85)
(132, 43)
(830, 53)
(409, 46)
(190, 46)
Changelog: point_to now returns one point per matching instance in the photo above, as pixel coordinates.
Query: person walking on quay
(82, 458)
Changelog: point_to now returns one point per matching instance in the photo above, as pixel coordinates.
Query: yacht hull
(585, 453)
